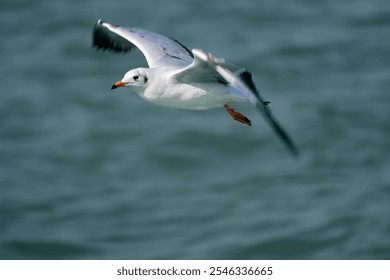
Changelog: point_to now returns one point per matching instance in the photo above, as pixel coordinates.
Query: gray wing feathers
(198, 71)
(158, 50)
(241, 80)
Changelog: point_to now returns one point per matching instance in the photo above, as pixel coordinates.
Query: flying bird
(178, 77)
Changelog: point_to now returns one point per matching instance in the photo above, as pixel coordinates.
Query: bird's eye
(136, 77)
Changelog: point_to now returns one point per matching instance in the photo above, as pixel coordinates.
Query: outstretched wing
(158, 50)
(207, 67)
(201, 70)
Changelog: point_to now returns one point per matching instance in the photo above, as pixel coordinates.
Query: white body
(163, 90)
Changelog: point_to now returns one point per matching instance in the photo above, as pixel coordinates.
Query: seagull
(178, 77)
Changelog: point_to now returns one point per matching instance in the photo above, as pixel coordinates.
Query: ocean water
(86, 173)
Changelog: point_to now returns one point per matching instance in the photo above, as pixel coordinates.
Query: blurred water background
(88, 174)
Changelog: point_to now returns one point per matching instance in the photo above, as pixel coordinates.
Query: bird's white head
(136, 79)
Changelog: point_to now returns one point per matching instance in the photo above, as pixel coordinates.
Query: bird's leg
(237, 116)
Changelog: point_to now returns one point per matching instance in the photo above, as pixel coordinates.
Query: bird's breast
(197, 96)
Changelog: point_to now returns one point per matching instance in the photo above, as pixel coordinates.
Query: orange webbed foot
(237, 116)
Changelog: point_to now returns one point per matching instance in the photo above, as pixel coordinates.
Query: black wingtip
(294, 151)
(282, 134)
(103, 38)
(286, 139)
(97, 36)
